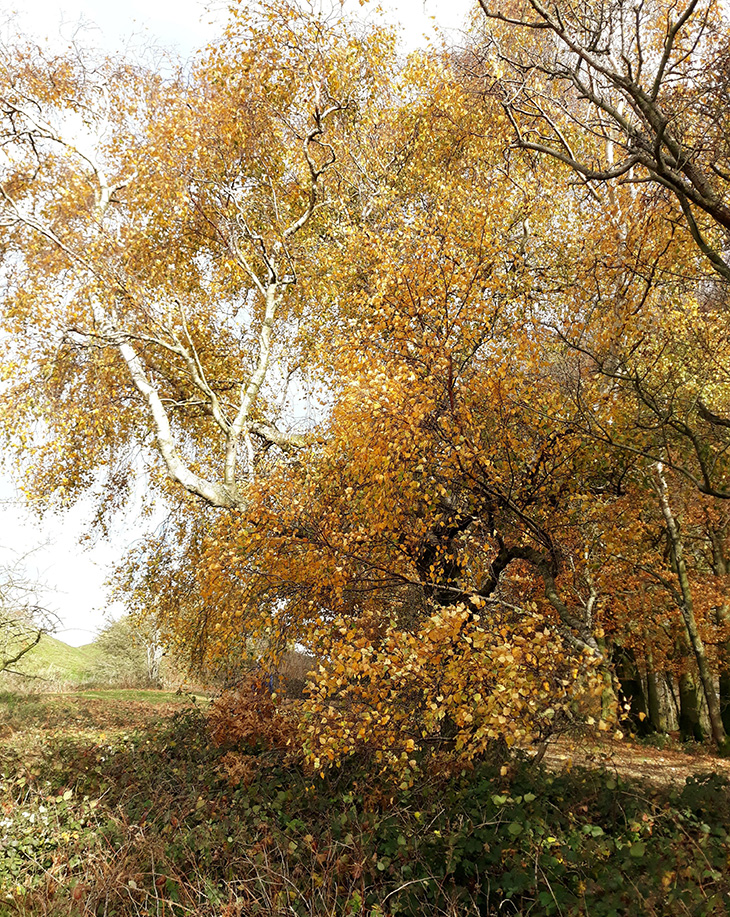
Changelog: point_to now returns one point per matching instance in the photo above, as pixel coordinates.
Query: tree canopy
(427, 357)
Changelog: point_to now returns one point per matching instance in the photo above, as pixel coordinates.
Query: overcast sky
(74, 573)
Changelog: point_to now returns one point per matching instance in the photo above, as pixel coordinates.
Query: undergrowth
(165, 821)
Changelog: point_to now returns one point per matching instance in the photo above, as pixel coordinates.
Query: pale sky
(189, 24)
(74, 573)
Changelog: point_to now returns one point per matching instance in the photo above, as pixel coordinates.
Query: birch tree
(163, 240)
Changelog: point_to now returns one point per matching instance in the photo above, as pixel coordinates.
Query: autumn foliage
(430, 375)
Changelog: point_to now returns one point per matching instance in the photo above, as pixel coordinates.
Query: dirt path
(659, 766)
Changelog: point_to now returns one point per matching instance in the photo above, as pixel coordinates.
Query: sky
(71, 573)
(189, 24)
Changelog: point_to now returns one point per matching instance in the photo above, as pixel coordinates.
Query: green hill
(53, 658)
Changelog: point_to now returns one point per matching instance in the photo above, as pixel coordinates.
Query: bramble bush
(159, 822)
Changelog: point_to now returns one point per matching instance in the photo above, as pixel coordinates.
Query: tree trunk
(725, 694)
(690, 724)
(653, 697)
(609, 695)
(632, 690)
(686, 606)
(720, 567)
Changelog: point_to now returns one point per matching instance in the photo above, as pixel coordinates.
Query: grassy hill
(54, 659)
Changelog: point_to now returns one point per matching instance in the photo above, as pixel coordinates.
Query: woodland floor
(660, 766)
(117, 803)
(120, 710)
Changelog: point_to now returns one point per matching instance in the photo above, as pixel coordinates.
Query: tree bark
(690, 724)
(635, 703)
(686, 606)
(720, 567)
(609, 695)
(654, 700)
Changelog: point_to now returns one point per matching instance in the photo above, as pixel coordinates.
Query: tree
(628, 100)
(581, 86)
(128, 655)
(477, 330)
(388, 544)
(23, 621)
(625, 93)
(182, 274)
